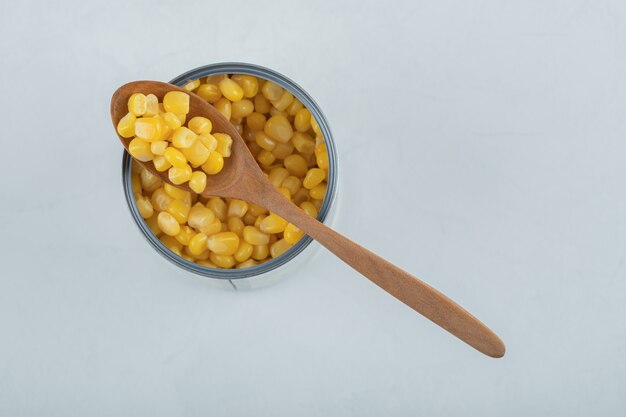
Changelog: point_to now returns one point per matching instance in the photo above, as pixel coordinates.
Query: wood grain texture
(242, 178)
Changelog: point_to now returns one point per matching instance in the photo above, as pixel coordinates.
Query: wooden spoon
(242, 178)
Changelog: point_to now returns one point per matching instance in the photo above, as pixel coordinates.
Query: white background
(482, 147)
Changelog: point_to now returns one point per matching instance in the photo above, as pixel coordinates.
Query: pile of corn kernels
(227, 233)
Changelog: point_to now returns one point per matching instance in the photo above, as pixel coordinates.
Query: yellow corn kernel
(272, 91)
(135, 183)
(309, 208)
(264, 141)
(260, 252)
(140, 150)
(256, 210)
(200, 216)
(300, 196)
(219, 207)
(302, 120)
(261, 104)
(236, 225)
(171, 120)
(292, 183)
(197, 182)
(145, 207)
(209, 141)
(224, 106)
(281, 246)
(296, 165)
(149, 181)
(237, 208)
(303, 142)
(255, 121)
(209, 92)
(244, 251)
(248, 83)
(179, 175)
(148, 129)
(214, 163)
(277, 176)
(265, 158)
(294, 107)
(192, 85)
(126, 126)
(137, 104)
(247, 264)
(168, 224)
(278, 128)
(231, 90)
(185, 235)
(258, 221)
(275, 112)
(179, 210)
(318, 192)
(153, 225)
(313, 177)
(183, 137)
(322, 160)
(282, 150)
(224, 144)
(172, 244)
(161, 164)
(285, 192)
(197, 154)
(254, 236)
(200, 125)
(223, 261)
(160, 200)
(175, 157)
(158, 147)
(212, 228)
(284, 101)
(197, 244)
(249, 219)
(181, 117)
(225, 243)
(292, 233)
(175, 192)
(241, 109)
(152, 106)
(176, 102)
(273, 224)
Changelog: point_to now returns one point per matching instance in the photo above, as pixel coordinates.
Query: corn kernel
(209, 92)
(175, 157)
(318, 192)
(212, 228)
(261, 104)
(231, 90)
(153, 225)
(278, 128)
(140, 150)
(176, 102)
(178, 175)
(264, 141)
(152, 106)
(265, 158)
(185, 235)
(225, 243)
(158, 147)
(273, 224)
(197, 182)
(200, 125)
(209, 141)
(148, 129)
(183, 138)
(244, 251)
(292, 233)
(241, 109)
(302, 120)
(172, 121)
(179, 210)
(197, 244)
(214, 163)
(260, 252)
(145, 207)
(160, 200)
(303, 142)
(224, 144)
(322, 160)
(192, 85)
(254, 236)
(175, 192)
(149, 182)
(313, 177)
(285, 192)
(283, 150)
(249, 219)
(258, 220)
(256, 210)
(236, 225)
(294, 107)
(281, 246)
(161, 164)
(223, 261)
(284, 101)
(272, 91)
(137, 104)
(300, 196)
(126, 126)
(200, 216)
(309, 208)
(237, 208)
(171, 243)
(224, 106)
(247, 264)
(296, 165)
(248, 83)
(197, 154)
(168, 224)
(255, 121)
(219, 207)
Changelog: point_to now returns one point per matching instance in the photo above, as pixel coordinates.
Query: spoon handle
(405, 287)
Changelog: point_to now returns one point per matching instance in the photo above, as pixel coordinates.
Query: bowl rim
(329, 198)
